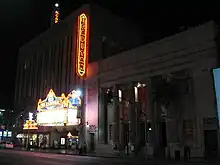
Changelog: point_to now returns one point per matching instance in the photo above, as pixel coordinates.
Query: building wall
(92, 94)
(177, 52)
(43, 62)
(193, 51)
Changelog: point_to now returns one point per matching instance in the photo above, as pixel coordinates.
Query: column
(151, 115)
(122, 136)
(82, 117)
(132, 115)
(116, 122)
(101, 122)
(121, 127)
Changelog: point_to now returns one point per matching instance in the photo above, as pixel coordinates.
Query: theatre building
(161, 95)
(152, 100)
(58, 62)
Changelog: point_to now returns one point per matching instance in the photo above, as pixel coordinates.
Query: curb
(87, 155)
(124, 158)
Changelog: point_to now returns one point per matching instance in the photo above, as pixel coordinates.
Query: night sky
(21, 20)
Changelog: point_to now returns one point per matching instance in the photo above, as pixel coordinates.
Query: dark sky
(21, 20)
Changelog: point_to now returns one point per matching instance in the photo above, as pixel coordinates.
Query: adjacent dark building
(162, 96)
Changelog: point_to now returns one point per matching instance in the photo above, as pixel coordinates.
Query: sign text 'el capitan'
(82, 46)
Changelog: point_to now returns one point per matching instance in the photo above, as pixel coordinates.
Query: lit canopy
(59, 110)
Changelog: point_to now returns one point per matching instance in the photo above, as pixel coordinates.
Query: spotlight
(56, 4)
(78, 93)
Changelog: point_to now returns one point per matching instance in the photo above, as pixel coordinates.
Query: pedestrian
(187, 153)
(80, 148)
(85, 147)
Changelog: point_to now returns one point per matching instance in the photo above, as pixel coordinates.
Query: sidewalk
(115, 156)
(66, 151)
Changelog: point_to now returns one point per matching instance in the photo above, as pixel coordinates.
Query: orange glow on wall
(56, 17)
(82, 45)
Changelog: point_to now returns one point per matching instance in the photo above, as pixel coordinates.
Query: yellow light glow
(82, 45)
(56, 19)
(52, 116)
(44, 104)
(57, 117)
(58, 110)
(30, 125)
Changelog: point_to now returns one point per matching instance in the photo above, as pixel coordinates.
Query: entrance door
(163, 134)
(92, 142)
(142, 134)
(160, 151)
(211, 144)
(126, 134)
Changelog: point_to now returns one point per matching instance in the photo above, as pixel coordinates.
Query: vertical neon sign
(82, 45)
(56, 17)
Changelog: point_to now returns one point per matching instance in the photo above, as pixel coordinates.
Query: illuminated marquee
(56, 17)
(30, 125)
(51, 102)
(58, 110)
(82, 45)
(74, 99)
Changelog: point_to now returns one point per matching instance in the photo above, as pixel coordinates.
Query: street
(14, 157)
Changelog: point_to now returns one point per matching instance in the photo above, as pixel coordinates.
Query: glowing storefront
(56, 118)
(29, 134)
(60, 116)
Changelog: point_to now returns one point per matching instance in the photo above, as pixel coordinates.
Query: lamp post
(30, 118)
(27, 142)
(81, 93)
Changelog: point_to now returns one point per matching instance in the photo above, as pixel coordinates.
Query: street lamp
(56, 5)
(87, 124)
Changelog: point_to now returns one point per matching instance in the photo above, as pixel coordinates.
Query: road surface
(14, 157)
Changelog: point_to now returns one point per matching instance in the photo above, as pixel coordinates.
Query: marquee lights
(50, 102)
(58, 110)
(72, 101)
(30, 125)
(82, 45)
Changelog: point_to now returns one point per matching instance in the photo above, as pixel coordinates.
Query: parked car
(7, 145)
(2, 145)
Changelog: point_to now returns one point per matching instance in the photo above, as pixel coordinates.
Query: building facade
(49, 60)
(154, 99)
(162, 96)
